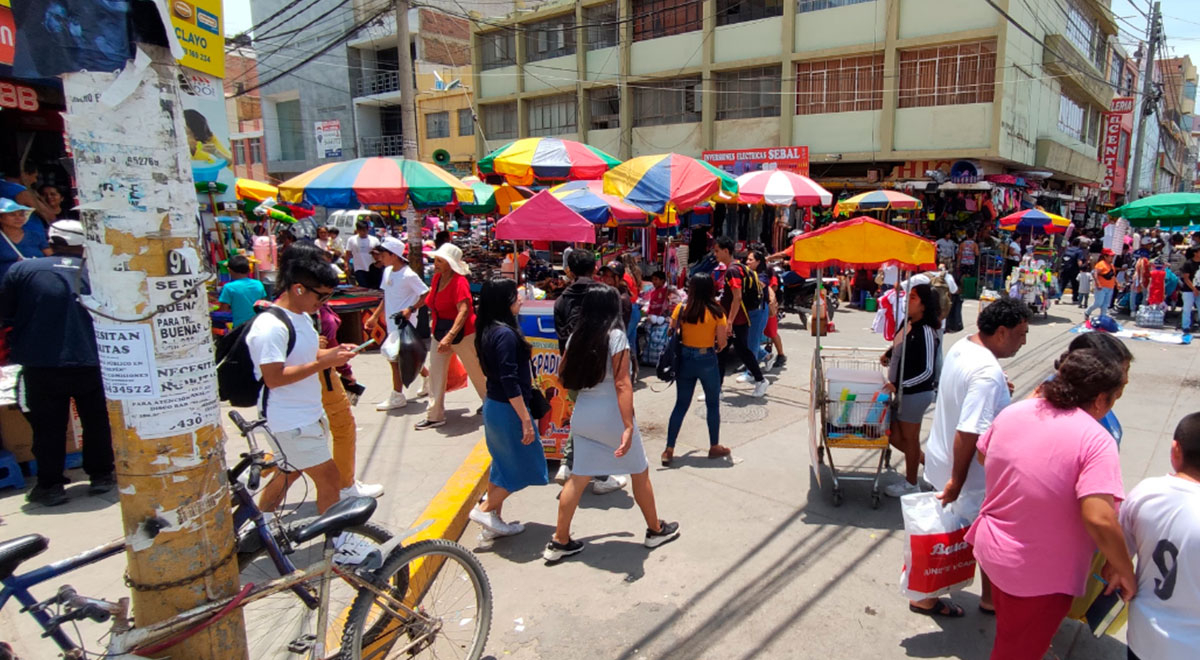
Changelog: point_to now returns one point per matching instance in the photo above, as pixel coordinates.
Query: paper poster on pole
(127, 361)
(188, 400)
(182, 322)
(329, 138)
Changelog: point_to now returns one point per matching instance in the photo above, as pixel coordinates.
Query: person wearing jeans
(703, 334)
(1189, 289)
(1105, 276)
(738, 320)
(756, 263)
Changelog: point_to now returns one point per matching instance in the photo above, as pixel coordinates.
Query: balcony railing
(387, 145)
(380, 83)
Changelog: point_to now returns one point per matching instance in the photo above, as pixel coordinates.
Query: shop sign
(740, 161)
(1122, 105)
(916, 169)
(1110, 150)
(198, 28)
(8, 34)
(329, 138)
(18, 97)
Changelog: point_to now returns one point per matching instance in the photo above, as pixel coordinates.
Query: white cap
(395, 246)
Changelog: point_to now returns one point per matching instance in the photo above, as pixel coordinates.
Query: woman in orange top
(1105, 276)
(703, 333)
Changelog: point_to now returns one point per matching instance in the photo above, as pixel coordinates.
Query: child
(663, 298)
(1161, 519)
(241, 292)
(1085, 284)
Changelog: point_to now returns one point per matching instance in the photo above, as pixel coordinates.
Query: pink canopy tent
(544, 217)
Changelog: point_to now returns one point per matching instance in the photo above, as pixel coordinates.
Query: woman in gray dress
(597, 364)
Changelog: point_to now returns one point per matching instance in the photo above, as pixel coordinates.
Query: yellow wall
(944, 127)
(861, 24)
(462, 149)
(922, 18)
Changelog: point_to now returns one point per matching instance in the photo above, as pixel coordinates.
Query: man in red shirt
(739, 323)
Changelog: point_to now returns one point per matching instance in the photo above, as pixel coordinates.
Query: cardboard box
(17, 436)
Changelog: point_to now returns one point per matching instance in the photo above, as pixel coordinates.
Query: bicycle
(386, 617)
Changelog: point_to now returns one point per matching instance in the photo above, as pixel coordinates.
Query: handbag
(539, 407)
(442, 327)
(937, 558)
(667, 368)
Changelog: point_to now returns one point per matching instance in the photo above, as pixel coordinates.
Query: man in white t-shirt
(403, 293)
(358, 249)
(1161, 518)
(972, 390)
(291, 394)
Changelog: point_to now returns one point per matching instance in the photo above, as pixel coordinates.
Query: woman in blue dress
(509, 429)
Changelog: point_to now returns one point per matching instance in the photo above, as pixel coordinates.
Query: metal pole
(408, 121)
(1145, 108)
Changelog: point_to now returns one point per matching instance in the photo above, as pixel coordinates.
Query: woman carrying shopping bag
(452, 314)
(597, 364)
(703, 334)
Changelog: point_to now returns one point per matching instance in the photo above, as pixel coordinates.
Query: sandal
(991, 612)
(944, 608)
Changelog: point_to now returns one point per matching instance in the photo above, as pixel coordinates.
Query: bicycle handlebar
(243, 426)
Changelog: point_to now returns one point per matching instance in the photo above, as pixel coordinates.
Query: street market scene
(366, 329)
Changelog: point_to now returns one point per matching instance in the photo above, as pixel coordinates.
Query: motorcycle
(796, 293)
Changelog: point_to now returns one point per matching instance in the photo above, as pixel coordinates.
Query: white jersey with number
(1161, 519)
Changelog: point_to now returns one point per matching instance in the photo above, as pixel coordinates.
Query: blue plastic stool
(74, 460)
(10, 471)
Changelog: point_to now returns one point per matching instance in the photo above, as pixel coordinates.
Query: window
(748, 93)
(1123, 148)
(1116, 69)
(948, 75)
(817, 5)
(553, 115)
(291, 137)
(669, 102)
(1071, 117)
(500, 121)
(1086, 36)
(497, 49)
(603, 31)
(255, 147)
(844, 84)
(437, 125)
(662, 18)
(553, 37)
(466, 122)
(236, 147)
(740, 11)
(605, 104)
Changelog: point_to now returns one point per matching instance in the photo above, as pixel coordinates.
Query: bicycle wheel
(454, 611)
(282, 625)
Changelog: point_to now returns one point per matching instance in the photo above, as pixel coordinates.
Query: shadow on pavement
(698, 458)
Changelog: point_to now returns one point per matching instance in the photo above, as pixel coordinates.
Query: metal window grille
(603, 30)
(662, 18)
(843, 84)
(948, 75)
(748, 93)
(730, 12)
(667, 102)
(291, 139)
(1071, 117)
(553, 115)
(500, 121)
(817, 5)
(605, 106)
(437, 125)
(466, 122)
(497, 49)
(553, 37)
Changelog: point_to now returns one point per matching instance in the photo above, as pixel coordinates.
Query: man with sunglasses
(291, 394)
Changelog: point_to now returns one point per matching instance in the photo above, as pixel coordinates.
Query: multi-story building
(446, 119)
(870, 87)
(1116, 139)
(1176, 148)
(243, 111)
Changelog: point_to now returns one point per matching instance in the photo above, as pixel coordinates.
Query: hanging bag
(937, 557)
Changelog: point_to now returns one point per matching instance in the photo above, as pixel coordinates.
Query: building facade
(876, 89)
(247, 139)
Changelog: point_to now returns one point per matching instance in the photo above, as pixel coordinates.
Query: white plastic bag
(391, 346)
(937, 558)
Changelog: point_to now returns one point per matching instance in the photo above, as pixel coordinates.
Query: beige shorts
(303, 448)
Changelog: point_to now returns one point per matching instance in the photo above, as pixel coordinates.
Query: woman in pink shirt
(1053, 480)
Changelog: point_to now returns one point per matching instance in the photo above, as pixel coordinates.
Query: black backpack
(752, 294)
(235, 370)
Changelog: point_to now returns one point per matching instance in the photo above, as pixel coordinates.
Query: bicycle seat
(15, 551)
(346, 513)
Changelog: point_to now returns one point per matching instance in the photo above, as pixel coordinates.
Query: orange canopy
(862, 243)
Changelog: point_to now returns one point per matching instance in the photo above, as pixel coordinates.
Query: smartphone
(360, 347)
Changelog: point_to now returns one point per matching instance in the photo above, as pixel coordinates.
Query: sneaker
(609, 484)
(890, 477)
(780, 361)
(396, 400)
(770, 362)
(488, 520)
(718, 451)
(102, 484)
(563, 474)
(428, 424)
(760, 390)
(48, 496)
(900, 489)
(926, 487)
(359, 489)
(424, 391)
(667, 532)
(556, 551)
(745, 378)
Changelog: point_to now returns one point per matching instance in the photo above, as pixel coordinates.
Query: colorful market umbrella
(545, 217)
(546, 159)
(492, 199)
(862, 243)
(1034, 221)
(378, 181)
(588, 199)
(1177, 209)
(655, 183)
(781, 188)
(877, 200)
(254, 191)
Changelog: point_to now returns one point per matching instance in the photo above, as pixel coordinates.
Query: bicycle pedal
(303, 644)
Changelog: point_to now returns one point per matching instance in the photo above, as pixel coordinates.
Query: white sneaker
(900, 489)
(760, 390)
(506, 529)
(611, 484)
(770, 362)
(424, 391)
(396, 400)
(745, 378)
(489, 521)
(359, 489)
(890, 477)
(562, 475)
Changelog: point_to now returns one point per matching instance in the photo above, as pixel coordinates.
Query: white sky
(237, 16)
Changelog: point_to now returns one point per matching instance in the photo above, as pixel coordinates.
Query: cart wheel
(837, 496)
(875, 499)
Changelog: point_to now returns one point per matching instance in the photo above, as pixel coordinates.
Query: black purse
(539, 407)
(442, 328)
(668, 361)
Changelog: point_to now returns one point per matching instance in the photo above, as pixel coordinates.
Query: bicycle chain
(183, 581)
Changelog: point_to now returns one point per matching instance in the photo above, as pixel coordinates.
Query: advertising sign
(1110, 152)
(1122, 105)
(740, 161)
(8, 34)
(329, 138)
(198, 28)
(555, 427)
(208, 132)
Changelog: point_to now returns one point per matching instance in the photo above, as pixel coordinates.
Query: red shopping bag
(937, 557)
(456, 374)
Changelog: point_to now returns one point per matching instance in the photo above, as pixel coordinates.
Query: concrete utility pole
(408, 119)
(139, 209)
(1145, 109)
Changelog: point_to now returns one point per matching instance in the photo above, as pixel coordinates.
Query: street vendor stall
(848, 406)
